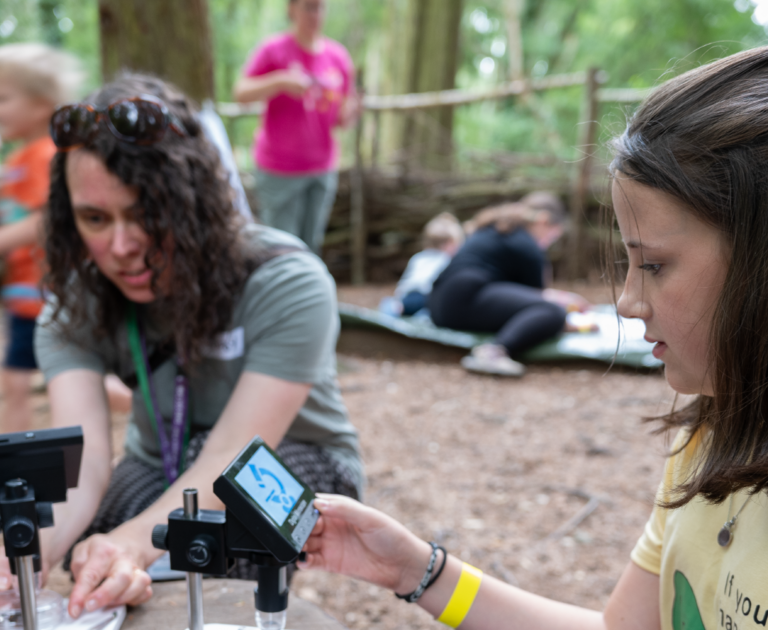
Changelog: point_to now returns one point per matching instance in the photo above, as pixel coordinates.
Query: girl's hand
(353, 539)
(108, 571)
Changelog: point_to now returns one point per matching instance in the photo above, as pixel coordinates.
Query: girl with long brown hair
(690, 197)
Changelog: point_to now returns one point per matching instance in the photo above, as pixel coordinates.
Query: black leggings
(517, 314)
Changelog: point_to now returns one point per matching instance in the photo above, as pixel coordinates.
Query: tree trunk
(423, 45)
(49, 22)
(168, 38)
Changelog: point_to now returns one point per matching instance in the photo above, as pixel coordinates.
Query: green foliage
(72, 24)
(83, 37)
(19, 21)
(638, 43)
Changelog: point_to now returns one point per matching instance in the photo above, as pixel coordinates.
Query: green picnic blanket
(618, 341)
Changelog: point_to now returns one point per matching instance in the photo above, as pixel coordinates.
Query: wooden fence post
(581, 186)
(357, 211)
(376, 140)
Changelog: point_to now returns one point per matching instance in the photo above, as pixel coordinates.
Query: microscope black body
(36, 468)
(210, 542)
(22, 517)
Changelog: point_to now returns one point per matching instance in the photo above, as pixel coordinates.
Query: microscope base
(226, 626)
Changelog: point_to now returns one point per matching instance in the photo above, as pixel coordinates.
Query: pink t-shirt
(296, 133)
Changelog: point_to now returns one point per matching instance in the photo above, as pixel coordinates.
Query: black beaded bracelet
(440, 570)
(428, 579)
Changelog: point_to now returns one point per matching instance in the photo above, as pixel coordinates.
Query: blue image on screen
(270, 485)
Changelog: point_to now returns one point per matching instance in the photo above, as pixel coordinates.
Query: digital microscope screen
(270, 485)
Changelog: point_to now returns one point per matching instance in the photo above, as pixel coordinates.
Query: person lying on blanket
(496, 283)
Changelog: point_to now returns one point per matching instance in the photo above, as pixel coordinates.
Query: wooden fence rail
(451, 98)
(594, 95)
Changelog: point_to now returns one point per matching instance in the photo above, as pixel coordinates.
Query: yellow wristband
(463, 596)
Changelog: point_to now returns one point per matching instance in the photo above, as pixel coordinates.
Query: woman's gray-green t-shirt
(285, 324)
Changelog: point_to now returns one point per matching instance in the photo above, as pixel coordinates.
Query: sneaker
(490, 358)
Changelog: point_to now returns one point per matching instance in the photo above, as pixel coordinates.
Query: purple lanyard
(171, 447)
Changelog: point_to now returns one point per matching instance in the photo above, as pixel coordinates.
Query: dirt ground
(501, 472)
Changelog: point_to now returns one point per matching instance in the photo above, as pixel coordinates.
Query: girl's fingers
(319, 528)
(313, 544)
(344, 508)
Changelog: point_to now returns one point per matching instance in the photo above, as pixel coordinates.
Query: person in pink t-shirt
(308, 83)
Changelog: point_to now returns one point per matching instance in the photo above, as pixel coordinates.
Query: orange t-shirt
(24, 184)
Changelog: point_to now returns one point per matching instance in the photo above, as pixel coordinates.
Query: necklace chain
(725, 535)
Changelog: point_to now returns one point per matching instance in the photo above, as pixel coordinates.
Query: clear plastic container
(50, 610)
(271, 621)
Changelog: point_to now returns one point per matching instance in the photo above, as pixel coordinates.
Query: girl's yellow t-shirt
(704, 585)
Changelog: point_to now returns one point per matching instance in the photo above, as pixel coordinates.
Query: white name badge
(227, 346)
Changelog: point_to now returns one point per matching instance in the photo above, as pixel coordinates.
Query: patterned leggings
(135, 485)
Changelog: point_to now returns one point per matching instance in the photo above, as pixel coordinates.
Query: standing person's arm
(264, 77)
(350, 110)
(264, 87)
(355, 540)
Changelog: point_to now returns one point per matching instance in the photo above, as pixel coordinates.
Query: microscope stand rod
(25, 570)
(194, 601)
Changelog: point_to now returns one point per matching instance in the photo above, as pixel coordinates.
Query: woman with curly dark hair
(223, 331)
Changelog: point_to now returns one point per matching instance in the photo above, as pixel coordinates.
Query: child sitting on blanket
(442, 238)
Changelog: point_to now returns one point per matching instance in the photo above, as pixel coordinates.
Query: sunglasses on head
(140, 120)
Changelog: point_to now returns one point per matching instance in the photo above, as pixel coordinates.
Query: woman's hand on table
(353, 539)
(108, 570)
